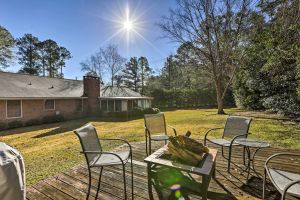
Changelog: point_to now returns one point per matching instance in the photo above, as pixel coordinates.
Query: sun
(128, 25)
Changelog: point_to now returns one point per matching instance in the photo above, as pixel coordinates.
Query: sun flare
(128, 25)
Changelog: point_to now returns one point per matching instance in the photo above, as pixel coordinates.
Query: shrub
(53, 119)
(3, 126)
(33, 122)
(14, 124)
(151, 111)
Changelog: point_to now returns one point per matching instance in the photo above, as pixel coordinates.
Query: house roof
(22, 86)
(120, 92)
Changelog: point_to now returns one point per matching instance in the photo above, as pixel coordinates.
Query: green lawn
(52, 148)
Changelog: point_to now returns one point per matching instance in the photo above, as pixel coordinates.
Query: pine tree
(28, 54)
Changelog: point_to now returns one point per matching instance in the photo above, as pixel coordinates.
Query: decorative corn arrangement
(185, 149)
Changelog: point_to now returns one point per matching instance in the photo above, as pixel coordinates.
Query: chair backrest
(89, 141)
(236, 126)
(155, 123)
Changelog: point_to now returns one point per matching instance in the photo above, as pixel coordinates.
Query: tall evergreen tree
(52, 57)
(64, 55)
(55, 57)
(130, 75)
(6, 44)
(42, 53)
(145, 72)
(28, 54)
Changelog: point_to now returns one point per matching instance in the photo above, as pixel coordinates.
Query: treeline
(182, 84)
(35, 57)
(107, 62)
(245, 48)
(269, 77)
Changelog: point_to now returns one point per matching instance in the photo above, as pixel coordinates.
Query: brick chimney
(91, 89)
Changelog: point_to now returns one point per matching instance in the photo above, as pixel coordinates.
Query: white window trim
(49, 109)
(21, 110)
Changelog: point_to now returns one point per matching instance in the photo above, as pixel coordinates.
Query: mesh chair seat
(159, 137)
(282, 178)
(110, 159)
(222, 142)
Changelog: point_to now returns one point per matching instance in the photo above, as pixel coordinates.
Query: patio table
(249, 143)
(206, 169)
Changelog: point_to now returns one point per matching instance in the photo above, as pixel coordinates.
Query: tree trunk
(220, 100)
(112, 79)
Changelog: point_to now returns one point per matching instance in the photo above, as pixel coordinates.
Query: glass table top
(252, 142)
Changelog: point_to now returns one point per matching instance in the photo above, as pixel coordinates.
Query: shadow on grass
(61, 127)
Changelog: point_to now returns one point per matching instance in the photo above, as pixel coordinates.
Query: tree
(6, 44)
(64, 55)
(145, 70)
(42, 55)
(28, 54)
(94, 64)
(214, 31)
(131, 76)
(269, 77)
(55, 57)
(112, 61)
(52, 57)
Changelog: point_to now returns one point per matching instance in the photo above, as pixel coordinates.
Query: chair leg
(99, 181)
(147, 145)
(244, 159)
(132, 179)
(229, 160)
(223, 152)
(90, 182)
(150, 150)
(124, 180)
(264, 185)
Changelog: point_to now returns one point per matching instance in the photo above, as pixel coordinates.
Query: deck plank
(73, 184)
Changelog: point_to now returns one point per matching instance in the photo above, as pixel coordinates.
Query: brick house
(26, 97)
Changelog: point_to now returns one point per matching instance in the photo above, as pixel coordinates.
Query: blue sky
(82, 26)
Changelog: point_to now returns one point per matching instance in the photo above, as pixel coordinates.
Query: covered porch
(124, 104)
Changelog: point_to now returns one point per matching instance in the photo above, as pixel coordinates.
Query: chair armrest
(174, 129)
(91, 152)
(237, 136)
(119, 139)
(279, 154)
(206, 133)
(289, 185)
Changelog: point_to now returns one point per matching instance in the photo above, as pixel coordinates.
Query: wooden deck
(72, 184)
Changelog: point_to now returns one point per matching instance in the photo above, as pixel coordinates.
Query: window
(79, 105)
(130, 105)
(49, 104)
(104, 105)
(13, 109)
(110, 106)
(118, 105)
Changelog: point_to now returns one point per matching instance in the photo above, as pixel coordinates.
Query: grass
(52, 148)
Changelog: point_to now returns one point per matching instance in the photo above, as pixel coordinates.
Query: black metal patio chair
(97, 158)
(286, 182)
(156, 129)
(235, 127)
